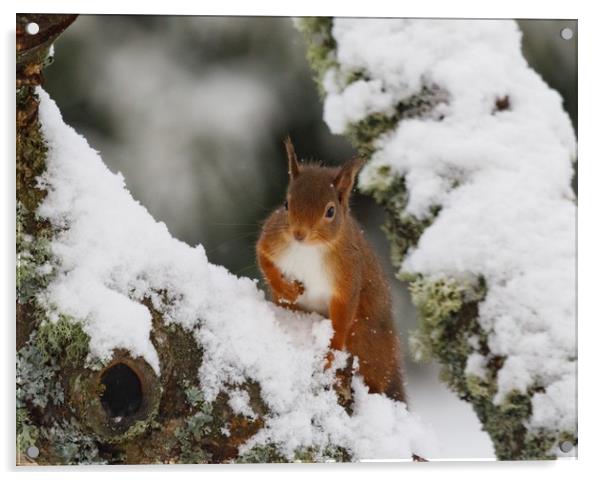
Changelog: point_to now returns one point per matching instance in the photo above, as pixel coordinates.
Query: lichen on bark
(66, 406)
(448, 309)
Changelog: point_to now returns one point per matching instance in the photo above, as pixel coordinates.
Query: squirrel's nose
(299, 235)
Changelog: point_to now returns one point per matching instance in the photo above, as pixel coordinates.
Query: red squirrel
(315, 258)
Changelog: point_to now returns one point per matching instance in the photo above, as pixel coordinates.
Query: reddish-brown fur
(360, 307)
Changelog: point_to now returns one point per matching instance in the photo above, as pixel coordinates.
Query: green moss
(194, 396)
(27, 432)
(439, 304)
(448, 327)
(138, 428)
(34, 268)
(436, 302)
(447, 313)
(448, 319)
(40, 394)
(64, 339)
(66, 440)
(38, 382)
(43, 418)
(356, 76)
(196, 427)
(506, 425)
(272, 453)
(330, 453)
(190, 437)
(321, 55)
(269, 453)
(367, 131)
(477, 386)
(31, 150)
(402, 230)
(320, 46)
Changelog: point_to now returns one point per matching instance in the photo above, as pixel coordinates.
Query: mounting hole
(122, 395)
(32, 452)
(566, 33)
(32, 28)
(566, 446)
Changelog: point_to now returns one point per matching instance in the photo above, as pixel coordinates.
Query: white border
(424, 8)
(590, 240)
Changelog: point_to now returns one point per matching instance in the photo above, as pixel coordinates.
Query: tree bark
(448, 309)
(71, 412)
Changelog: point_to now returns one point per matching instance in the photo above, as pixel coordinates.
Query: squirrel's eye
(330, 212)
(286, 205)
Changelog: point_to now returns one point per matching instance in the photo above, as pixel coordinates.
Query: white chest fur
(306, 263)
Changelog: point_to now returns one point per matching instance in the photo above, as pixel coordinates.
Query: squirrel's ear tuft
(293, 163)
(346, 178)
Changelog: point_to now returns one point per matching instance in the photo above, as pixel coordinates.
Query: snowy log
(471, 155)
(133, 348)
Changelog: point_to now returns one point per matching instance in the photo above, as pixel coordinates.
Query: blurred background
(193, 110)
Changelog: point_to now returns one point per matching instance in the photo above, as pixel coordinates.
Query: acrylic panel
(265, 239)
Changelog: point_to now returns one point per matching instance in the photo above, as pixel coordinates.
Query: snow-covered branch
(135, 349)
(471, 155)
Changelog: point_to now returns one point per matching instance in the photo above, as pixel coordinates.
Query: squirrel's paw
(292, 290)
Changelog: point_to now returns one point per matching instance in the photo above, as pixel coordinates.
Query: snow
(459, 432)
(239, 402)
(110, 254)
(501, 177)
(476, 364)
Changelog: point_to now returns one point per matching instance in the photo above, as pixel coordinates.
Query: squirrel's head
(317, 199)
